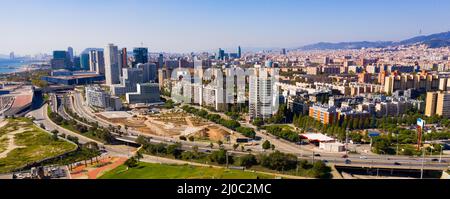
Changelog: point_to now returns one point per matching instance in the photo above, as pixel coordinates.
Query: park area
(23, 143)
(165, 171)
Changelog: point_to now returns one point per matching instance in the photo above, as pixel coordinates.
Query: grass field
(162, 171)
(33, 145)
(283, 126)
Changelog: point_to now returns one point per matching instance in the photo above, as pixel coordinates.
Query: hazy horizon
(40, 26)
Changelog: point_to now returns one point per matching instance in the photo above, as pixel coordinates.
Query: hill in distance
(433, 41)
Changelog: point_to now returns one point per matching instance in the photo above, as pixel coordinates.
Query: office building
(84, 61)
(97, 61)
(140, 56)
(97, 97)
(76, 63)
(239, 52)
(61, 60)
(150, 72)
(147, 93)
(160, 61)
(70, 53)
(131, 77)
(112, 70)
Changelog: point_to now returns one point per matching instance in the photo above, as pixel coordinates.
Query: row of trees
(231, 124)
(94, 130)
(282, 133)
(275, 161)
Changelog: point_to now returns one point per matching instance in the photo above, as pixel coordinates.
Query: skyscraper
(70, 53)
(239, 52)
(11, 56)
(97, 61)
(150, 72)
(140, 56)
(112, 71)
(221, 54)
(123, 59)
(160, 61)
(262, 95)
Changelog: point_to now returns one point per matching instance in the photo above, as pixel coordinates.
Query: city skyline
(186, 26)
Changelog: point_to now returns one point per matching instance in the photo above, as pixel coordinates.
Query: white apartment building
(263, 94)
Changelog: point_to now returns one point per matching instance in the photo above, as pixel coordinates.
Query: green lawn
(283, 126)
(162, 171)
(34, 143)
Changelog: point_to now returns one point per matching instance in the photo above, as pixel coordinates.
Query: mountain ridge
(433, 41)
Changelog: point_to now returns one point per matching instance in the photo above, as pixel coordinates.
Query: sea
(11, 66)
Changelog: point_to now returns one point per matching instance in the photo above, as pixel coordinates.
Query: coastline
(21, 68)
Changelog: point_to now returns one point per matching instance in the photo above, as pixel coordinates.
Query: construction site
(173, 124)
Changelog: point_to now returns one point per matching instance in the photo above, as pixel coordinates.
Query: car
(435, 160)
(317, 155)
(347, 161)
(397, 163)
(363, 157)
(325, 161)
(345, 156)
(207, 151)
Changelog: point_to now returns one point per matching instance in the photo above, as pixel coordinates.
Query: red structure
(419, 137)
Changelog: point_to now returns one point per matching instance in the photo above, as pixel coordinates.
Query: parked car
(345, 156)
(397, 163)
(317, 155)
(347, 161)
(363, 157)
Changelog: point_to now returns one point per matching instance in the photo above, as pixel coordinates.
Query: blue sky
(32, 26)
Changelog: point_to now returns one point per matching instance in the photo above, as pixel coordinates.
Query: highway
(303, 152)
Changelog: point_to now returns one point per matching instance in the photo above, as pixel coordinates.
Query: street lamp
(346, 141)
(397, 141)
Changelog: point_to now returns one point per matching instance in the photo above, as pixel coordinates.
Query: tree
(139, 155)
(258, 122)
(191, 138)
(279, 161)
(55, 134)
(220, 157)
(174, 149)
(248, 161)
(131, 163)
(183, 138)
(321, 170)
(266, 145)
(220, 143)
(272, 147)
